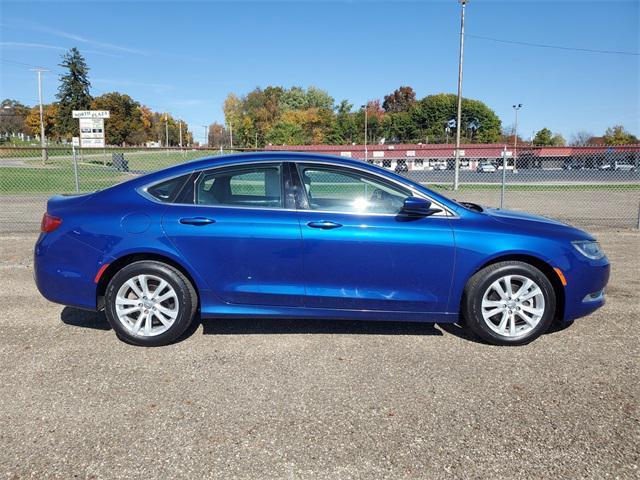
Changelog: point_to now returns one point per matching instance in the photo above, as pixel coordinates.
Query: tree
(218, 135)
(125, 123)
(581, 139)
(431, 114)
(12, 117)
(401, 100)
(49, 115)
(546, 137)
(618, 135)
(73, 92)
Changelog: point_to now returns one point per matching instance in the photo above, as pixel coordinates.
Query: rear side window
(258, 186)
(168, 190)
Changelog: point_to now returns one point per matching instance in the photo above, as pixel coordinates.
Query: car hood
(535, 223)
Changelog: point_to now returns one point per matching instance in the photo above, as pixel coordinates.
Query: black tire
(186, 294)
(479, 283)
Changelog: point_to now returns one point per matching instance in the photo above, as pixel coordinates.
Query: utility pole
(166, 130)
(43, 140)
(231, 135)
(366, 121)
(459, 116)
(515, 137)
(180, 130)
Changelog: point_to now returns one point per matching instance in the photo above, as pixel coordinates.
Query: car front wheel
(150, 303)
(509, 303)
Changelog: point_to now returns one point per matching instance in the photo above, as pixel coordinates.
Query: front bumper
(586, 286)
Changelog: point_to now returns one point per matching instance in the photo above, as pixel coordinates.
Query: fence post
(75, 168)
(504, 175)
(638, 225)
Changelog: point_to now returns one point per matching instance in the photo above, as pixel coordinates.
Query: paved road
(310, 400)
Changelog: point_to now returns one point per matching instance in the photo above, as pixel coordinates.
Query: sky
(185, 57)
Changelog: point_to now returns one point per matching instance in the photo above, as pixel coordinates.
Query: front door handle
(324, 225)
(197, 221)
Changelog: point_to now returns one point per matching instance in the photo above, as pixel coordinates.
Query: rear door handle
(324, 225)
(197, 221)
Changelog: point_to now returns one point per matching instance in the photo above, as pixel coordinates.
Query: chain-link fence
(584, 186)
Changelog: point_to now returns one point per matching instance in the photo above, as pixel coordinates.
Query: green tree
(546, 137)
(73, 92)
(124, 124)
(618, 135)
(401, 100)
(12, 117)
(431, 114)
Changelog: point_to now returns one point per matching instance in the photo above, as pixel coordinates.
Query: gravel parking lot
(302, 399)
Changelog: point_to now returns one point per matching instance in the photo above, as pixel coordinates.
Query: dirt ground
(316, 399)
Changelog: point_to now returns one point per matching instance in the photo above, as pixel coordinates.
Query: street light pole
(515, 137)
(206, 135)
(43, 140)
(180, 130)
(459, 116)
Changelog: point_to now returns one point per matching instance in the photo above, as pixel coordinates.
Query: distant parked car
(618, 166)
(487, 167)
(573, 164)
(401, 167)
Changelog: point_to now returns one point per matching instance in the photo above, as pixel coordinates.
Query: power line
(557, 47)
(21, 64)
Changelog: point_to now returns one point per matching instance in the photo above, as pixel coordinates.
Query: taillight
(49, 223)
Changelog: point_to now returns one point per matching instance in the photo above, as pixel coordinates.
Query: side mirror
(418, 206)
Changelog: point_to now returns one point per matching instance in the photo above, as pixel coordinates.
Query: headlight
(589, 248)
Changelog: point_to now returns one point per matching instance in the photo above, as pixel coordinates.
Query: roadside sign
(91, 127)
(460, 151)
(506, 154)
(75, 141)
(91, 114)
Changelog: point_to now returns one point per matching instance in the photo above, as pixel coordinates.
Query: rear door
(235, 230)
(361, 253)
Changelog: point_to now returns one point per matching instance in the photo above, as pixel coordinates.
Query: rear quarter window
(168, 190)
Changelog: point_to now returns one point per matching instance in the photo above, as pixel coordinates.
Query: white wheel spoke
(503, 322)
(132, 284)
(127, 301)
(169, 313)
(492, 303)
(498, 288)
(508, 288)
(160, 316)
(161, 287)
(512, 325)
(536, 291)
(166, 296)
(145, 286)
(527, 319)
(136, 326)
(533, 311)
(523, 289)
(148, 323)
(128, 311)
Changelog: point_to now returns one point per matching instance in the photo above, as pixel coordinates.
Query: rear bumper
(64, 270)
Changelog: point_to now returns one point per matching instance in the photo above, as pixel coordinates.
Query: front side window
(349, 191)
(256, 186)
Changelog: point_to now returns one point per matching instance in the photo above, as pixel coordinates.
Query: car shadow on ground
(251, 326)
(84, 318)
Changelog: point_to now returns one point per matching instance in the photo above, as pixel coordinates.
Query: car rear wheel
(150, 303)
(509, 303)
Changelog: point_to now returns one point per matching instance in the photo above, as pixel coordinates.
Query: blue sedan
(309, 236)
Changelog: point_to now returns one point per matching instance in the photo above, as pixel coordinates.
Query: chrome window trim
(446, 212)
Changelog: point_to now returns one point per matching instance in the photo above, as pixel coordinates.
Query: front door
(239, 237)
(359, 253)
